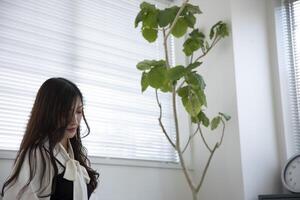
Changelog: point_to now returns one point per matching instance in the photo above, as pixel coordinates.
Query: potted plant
(180, 80)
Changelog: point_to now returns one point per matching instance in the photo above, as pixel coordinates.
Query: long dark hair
(49, 118)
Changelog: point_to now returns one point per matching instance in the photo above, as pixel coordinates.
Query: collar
(73, 170)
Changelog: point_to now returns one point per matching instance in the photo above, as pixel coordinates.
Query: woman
(51, 163)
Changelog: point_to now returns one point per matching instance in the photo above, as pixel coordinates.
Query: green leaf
(197, 34)
(215, 122)
(183, 92)
(144, 65)
(180, 28)
(195, 80)
(157, 76)
(166, 87)
(193, 9)
(148, 64)
(150, 19)
(203, 118)
(147, 6)
(165, 17)
(194, 65)
(192, 104)
(176, 73)
(213, 29)
(138, 19)
(194, 42)
(222, 30)
(144, 81)
(195, 119)
(174, 10)
(201, 96)
(190, 20)
(149, 34)
(191, 45)
(160, 63)
(219, 29)
(225, 116)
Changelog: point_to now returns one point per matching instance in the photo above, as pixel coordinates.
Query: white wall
(224, 178)
(238, 74)
(131, 183)
(259, 148)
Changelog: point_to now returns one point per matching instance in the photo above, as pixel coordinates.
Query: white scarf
(73, 172)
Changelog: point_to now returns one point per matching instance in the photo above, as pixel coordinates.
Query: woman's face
(75, 122)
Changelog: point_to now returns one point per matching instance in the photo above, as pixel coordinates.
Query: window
(94, 44)
(290, 30)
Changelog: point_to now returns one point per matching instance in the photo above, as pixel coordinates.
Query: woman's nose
(74, 119)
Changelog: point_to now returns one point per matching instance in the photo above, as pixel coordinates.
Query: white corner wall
(224, 180)
(259, 148)
(239, 82)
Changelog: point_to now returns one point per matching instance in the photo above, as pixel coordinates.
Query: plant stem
(166, 48)
(191, 60)
(194, 189)
(206, 168)
(188, 142)
(195, 195)
(217, 145)
(160, 121)
(181, 84)
(185, 171)
(202, 136)
(215, 41)
(223, 131)
(176, 18)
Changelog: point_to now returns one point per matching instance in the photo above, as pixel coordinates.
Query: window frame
(185, 127)
(281, 83)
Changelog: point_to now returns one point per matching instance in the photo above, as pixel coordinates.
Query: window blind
(94, 44)
(290, 16)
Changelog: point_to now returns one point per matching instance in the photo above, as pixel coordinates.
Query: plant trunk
(195, 196)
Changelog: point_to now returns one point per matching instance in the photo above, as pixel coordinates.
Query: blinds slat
(290, 20)
(94, 44)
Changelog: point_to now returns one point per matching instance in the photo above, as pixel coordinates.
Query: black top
(64, 187)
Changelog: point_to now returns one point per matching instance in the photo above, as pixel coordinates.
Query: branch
(209, 149)
(181, 84)
(215, 41)
(176, 18)
(206, 167)
(223, 131)
(160, 121)
(191, 61)
(217, 145)
(186, 174)
(203, 49)
(190, 137)
(166, 48)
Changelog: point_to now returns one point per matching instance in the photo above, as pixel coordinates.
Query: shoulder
(34, 170)
(33, 164)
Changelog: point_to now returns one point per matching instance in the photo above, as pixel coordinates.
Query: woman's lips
(71, 129)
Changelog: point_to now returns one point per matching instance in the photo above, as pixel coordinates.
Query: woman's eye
(79, 112)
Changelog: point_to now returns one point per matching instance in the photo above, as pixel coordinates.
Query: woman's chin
(70, 133)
